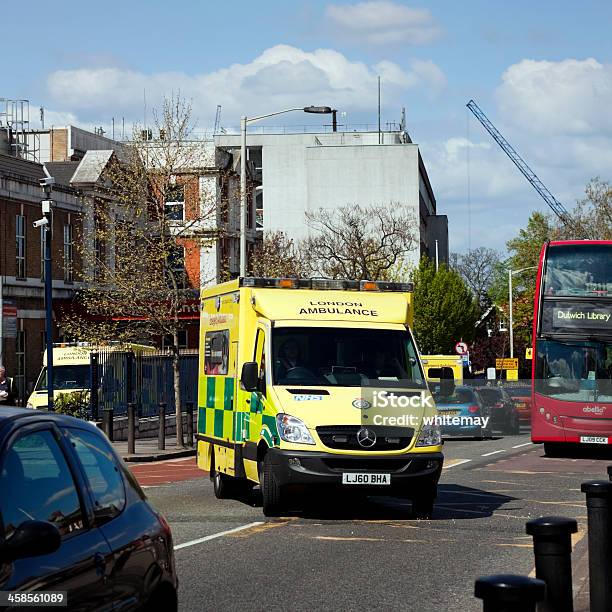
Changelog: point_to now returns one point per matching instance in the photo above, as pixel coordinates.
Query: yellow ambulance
(293, 380)
(433, 365)
(71, 369)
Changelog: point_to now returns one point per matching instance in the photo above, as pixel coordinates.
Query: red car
(521, 396)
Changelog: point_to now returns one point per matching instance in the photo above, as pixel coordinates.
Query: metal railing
(145, 379)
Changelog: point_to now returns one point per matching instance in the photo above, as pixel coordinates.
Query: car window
(459, 396)
(37, 484)
(102, 472)
(489, 395)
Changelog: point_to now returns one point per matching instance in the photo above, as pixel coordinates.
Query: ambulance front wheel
(271, 493)
(423, 506)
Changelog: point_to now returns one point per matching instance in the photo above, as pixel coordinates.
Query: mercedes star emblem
(366, 437)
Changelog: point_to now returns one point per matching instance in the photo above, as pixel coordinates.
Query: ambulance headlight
(430, 436)
(292, 429)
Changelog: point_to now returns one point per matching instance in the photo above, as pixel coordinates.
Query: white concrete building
(302, 173)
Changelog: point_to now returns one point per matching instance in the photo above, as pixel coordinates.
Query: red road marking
(165, 472)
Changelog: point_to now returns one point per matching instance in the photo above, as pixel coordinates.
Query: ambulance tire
(271, 496)
(422, 507)
(222, 485)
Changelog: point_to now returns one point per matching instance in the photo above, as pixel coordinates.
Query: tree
(135, 281)
(477, 268)
(592, 215)
(359, 242)
(444, 309)
(278, 256)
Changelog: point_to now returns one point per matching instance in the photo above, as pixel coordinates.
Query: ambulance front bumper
(409, 472)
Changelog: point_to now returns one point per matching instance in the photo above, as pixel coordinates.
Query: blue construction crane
(520, 163)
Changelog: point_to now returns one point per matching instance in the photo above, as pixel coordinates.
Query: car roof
(13, 414)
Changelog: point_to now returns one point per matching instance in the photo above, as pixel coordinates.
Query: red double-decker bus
(572, 345)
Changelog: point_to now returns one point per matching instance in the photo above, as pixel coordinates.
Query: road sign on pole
(461, 348)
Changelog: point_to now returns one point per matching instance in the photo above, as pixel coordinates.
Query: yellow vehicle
(291, 374)
(71, 369)
(433, 364)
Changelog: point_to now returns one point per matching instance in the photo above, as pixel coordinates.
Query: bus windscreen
(578, 270)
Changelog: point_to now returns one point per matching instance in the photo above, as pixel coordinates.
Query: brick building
(22, 335)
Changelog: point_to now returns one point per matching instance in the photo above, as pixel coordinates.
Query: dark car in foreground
(521, 396)
(501, 408)
(464, 413)
(74, 519)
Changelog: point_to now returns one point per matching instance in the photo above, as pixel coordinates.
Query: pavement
(147, 450)
(342, 550)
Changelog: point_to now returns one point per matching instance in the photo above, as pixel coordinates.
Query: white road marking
(461, 462)
(520, 445)
(217, 535)
(493, 453)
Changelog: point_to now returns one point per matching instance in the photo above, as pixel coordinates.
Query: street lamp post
(244, 121)
(45, 225)
(510, 274)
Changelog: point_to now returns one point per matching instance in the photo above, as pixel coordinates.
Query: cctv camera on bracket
(41, 222)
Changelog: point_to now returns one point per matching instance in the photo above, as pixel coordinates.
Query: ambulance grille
(344, 437)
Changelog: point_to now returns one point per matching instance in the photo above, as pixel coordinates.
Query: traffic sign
(529, 353)
(507, 363)
(461, 348)
(512, 374)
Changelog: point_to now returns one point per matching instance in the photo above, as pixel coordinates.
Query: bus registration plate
(351, 478)
(593, 440)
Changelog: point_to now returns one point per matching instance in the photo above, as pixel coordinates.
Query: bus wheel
(553, 449)
(270, 489)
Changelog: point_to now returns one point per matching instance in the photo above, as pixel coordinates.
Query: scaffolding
(20, 140)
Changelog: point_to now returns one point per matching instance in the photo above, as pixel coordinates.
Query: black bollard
(189, 423)
(509, 593)
(131, 432)
(552, 548)
(599, 500)
(109, 423)
(161, 434)
(610, 472)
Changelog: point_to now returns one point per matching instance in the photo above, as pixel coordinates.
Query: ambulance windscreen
(323, 356)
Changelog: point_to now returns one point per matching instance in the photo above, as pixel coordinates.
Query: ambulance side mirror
(248, 377)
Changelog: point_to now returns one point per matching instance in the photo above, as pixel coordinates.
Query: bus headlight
(291, 429)
(430, 436)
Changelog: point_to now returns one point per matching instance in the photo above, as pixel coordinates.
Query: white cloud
(567, 97)
(383, 22)
(281, 77)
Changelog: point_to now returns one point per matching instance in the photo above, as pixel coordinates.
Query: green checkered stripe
(216, 417)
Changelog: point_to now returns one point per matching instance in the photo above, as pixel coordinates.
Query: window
(99, 248)
(66, 377)
(168, 342)
(174, 208)
(260, 358)
(102, 472)
(344, 357)
(68, 253)
(36, 484)
(176, 266)
(216, 352)
(20, 253)
(20, 356)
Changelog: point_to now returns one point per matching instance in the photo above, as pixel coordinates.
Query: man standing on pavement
(5, 386)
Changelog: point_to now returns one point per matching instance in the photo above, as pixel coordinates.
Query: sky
(541, 71)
